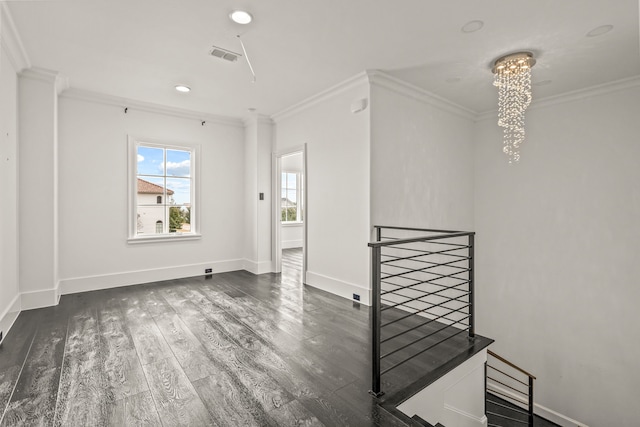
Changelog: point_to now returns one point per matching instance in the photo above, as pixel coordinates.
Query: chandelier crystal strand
(513, 80)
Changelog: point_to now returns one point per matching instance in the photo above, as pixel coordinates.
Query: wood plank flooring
(227, 349)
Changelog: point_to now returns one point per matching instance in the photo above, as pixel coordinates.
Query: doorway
(290, 216)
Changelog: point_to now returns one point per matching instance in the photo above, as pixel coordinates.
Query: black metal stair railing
(422, 293)
(508, 393)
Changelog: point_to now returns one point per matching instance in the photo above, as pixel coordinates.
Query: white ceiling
(140, 49)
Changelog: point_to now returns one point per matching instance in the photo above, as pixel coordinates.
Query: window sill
(173, 237)
(291, 223)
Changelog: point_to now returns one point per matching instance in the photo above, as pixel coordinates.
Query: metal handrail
(514, 366)
(430, 281)
(432, 264)
(442, 316)
(420, 239)
(439, 243)
(466, 323)
(492, 390)
(418, 298)
(429, 230)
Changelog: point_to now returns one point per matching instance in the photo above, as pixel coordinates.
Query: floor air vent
(221, 53)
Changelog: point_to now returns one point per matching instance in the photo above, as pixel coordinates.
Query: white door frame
(276, 167)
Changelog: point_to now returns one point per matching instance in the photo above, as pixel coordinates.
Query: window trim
(132, 175)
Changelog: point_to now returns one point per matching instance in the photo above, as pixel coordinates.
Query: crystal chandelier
(513, 79)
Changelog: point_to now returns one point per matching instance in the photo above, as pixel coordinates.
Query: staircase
(422, 323)
(509, 393)
(422, 422)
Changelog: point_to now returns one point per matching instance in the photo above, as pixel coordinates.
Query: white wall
(291, 235)
(455, 399)
(292, 163)
(557, 253)
(38, 188)
(250, 208)
(9, 289)
(421, 159)
(257, 213)
(93, 197)
(337, 186)
(264, 212)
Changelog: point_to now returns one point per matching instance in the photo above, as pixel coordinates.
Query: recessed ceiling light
(598, 31)
(472, 26)
(183, 88)
(542, 83)
(241, 17)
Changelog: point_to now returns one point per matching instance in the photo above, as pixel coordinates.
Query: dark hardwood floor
(228, 349)
(292, 264)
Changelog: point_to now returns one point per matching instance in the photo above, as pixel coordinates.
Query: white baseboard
(94, 283)
(338, 287)
(556, 417)
(10, 314)
(288, 244)
(256, 267)
(458, 417)
(39, 299)
(541, 411)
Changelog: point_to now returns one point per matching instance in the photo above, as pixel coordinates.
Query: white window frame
(300, 203)
(133, 143)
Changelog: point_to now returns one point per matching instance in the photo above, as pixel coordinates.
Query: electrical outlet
(208, 270)
(356, 297)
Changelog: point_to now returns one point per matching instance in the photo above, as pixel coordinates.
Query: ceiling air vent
(221, 53)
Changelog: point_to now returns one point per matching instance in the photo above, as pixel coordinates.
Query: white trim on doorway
(276, 186)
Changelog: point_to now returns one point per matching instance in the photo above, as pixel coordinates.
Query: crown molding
(59, 81)
(351, 82)
(62, 83)
(576, 95)
(401, 87)
(597, 90)
(11, 41)
(36, 73)
(101, 98)
(261, 119)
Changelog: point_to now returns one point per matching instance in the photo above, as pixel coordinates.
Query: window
(162, 191)
(291, 197)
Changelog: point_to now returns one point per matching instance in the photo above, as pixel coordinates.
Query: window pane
(291, 197)
(178, 163)
(178, 219)
(292, 214)
(185, 213)
(149, 188)
(148, 217)
(291, 180)
(150, 161)
(179, 191)
(164, 190)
